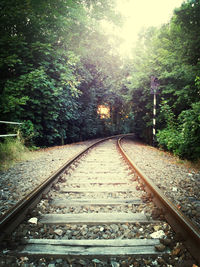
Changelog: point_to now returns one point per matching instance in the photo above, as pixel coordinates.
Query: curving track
(97, 189)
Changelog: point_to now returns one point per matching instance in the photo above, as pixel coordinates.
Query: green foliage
(168, 115)
(190, 132)
(197, 83)
(184, 140)
(11, 150)
(57, 67)
(54, 70)
(27, 133)
(170, 53)
(170, 139)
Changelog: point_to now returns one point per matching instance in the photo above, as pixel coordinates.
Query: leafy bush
(190, 132)
(27, 132)
(169, 139)
(10, 151)
(183, 141)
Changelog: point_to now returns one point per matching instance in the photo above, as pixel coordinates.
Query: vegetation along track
(96, 207)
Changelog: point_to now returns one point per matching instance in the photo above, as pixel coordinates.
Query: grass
(191, 165)
(12, 151)
(195, 165)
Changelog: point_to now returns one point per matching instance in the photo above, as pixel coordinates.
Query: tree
(42, 45)
(170, 53)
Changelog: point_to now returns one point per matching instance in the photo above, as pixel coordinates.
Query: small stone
(96, 261)
(157, 227)
(62, 180)
(194, 212)
(24, 259)
(198, 209)
(73, 227)
(33, 220)
(125, 226)
(166, 241)
(115, 264)
(2, 195)
(97, 230)
(5, 251)
(59, 261)
(82, 262)
(124, 264)
(174, 189)
(136, 264)
(115, 227)
(84, 232)
(58, 232)
(161, 261)
(155, 263)
(158, 234)
(75, 233)
(176, 251)
(160, 247)
(56, 187)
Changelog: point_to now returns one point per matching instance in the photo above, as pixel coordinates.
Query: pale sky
(140, 14)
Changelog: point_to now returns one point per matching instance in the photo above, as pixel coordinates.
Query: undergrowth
(11, 151)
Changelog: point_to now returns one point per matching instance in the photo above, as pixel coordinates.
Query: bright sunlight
(103, 111)
(139, 15)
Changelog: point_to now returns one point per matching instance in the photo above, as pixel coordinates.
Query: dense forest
(58, 66)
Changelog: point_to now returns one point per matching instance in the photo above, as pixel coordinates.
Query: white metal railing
(10, 122)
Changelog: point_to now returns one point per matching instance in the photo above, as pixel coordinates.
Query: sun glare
(103, 111)
(139, 15)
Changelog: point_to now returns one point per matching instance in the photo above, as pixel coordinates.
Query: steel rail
(183, 226)
(13, 217)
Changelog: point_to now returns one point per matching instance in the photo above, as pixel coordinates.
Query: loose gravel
(179, 183)
(22, 178)
(159, 166)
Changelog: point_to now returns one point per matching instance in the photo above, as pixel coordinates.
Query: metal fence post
(9, 135)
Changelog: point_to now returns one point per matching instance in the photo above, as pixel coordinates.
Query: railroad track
(96, 206)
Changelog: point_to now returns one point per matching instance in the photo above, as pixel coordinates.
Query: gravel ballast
(23, 177)
(162, 168)
(179, 183)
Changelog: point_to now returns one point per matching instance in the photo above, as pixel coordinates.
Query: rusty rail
(13, 217)
(183, 226)
(180, 223)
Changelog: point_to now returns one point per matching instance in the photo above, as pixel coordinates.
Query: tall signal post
(154, 91)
